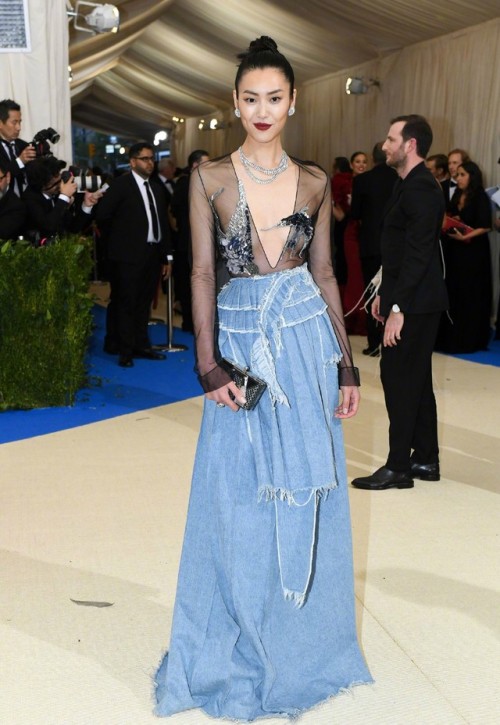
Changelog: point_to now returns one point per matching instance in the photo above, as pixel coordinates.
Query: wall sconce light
(359, 86)
(103, 18)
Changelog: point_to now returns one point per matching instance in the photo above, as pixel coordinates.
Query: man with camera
(50, 201)
(16, 152)
(12, 209)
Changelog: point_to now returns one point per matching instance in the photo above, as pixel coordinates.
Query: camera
(40, 142)
(82, 181)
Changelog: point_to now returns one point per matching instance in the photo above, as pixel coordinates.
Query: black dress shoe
(372, 351)
(125, 361)
(384, 478)
(149, 354)
(425, 471)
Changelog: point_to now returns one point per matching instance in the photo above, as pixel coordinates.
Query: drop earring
(237, 112)
(291, 110)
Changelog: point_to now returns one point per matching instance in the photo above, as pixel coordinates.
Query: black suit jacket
(15, 171)
(122, 219)
(12, 216)
(46, 220)
(370, 193)
(412, 276)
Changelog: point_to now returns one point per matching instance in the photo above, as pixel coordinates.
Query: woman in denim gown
(264, 616)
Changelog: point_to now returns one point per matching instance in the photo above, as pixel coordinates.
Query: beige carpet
(96, 514)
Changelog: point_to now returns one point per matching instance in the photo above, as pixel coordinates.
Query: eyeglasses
(145, 158)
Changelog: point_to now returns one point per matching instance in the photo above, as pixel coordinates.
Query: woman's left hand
(349, 405)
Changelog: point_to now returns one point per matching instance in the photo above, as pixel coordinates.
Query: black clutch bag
(250, 386)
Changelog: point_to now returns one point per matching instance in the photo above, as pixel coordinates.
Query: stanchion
(169, 346)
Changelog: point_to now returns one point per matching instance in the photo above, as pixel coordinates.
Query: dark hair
(6, 106)
(358, 153)
(418, 128)
(195, 156)
(41, 171)
(4, 165)
(136, 148)
(378, 154)
(440, 162)
(475, 179)
(342, 165)
(263, 53)
(465, 156)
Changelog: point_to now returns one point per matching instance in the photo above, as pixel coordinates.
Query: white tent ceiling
(178, 57)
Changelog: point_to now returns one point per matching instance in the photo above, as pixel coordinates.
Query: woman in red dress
(352, 291)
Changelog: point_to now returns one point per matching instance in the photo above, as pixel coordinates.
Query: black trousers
(370, 266)
(406, 373)
(133, 286)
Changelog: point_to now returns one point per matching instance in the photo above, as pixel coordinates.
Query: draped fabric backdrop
(38, 80)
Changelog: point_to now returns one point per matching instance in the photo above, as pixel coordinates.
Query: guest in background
(341, 182)
(352, 292)
(133, 220)
(438, 166)
(370, 193)
(12, 209)
(456, 157)
(468, 266)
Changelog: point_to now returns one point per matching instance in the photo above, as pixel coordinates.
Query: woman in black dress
(468, 266)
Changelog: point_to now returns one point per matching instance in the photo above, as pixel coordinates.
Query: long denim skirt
(264, 615)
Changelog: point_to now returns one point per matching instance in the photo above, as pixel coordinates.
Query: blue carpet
(112, 390)
(491, 356)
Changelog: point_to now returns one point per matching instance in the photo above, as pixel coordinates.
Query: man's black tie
(152, 208)
(11, 145)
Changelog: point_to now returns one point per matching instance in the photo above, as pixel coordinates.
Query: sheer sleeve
(320, 262)
(203, 285)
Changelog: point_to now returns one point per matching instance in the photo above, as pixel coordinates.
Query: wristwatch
(396, 308)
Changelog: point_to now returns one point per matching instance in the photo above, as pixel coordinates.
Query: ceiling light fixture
(103, 18)
(359, 86)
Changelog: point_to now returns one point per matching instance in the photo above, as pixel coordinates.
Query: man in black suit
(50, 202)
(370, 193)
(12, 209)
(133, 220)
(411, 298)
(16, 152)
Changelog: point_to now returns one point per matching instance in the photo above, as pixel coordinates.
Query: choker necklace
(248, 165)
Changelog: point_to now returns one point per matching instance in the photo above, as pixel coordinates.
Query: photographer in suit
(12, 209)
(16, 152)
(50, 201)
(133, 220)
(411, 298)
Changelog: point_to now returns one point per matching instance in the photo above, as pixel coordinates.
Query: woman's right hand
(222, 396)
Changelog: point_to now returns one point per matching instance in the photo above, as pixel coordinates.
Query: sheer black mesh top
(222, 229)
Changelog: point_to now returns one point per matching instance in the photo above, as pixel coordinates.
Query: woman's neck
(267, 155)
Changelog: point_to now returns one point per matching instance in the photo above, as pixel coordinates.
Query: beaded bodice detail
(235, 244)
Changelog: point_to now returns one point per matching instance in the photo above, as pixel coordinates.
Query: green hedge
(45, 322)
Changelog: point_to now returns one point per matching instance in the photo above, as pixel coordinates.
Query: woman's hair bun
(263, 43)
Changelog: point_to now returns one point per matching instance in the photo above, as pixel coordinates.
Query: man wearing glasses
(133, 220)
(12, 209)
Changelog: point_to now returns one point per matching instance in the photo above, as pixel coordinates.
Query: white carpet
(97, 514)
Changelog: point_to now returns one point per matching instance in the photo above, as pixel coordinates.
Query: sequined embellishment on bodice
(235, 244)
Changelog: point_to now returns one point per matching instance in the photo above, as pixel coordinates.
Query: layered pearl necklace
(272, 174)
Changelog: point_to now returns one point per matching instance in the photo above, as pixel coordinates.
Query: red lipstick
(262, 126)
